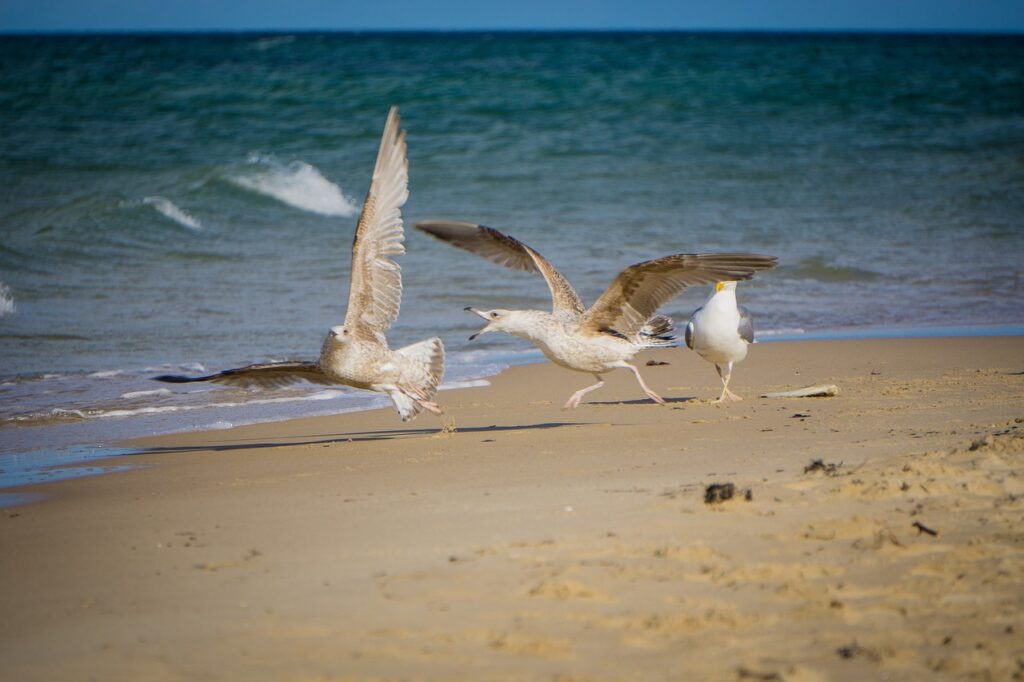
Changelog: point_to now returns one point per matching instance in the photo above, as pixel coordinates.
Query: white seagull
(720, 332)
(618, 325)
(356, 353)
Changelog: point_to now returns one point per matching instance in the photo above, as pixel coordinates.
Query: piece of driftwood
(821, 391)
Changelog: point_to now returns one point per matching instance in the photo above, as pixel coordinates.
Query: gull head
(726, 286)
(339, 334)
(496, 320)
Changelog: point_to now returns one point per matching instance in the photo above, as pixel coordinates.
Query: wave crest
(297, 184)
(818, 268)
(168, 209)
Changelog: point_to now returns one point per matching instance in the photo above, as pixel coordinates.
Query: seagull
(356, 353)
(621, 322)
(720, 332)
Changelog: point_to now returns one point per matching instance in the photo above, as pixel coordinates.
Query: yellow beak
(719, 286)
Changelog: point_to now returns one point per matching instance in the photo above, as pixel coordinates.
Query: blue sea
(186, 203)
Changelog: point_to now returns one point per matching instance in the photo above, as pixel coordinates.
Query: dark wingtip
(431, 227)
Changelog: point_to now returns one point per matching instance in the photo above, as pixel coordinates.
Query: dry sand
(534, 543)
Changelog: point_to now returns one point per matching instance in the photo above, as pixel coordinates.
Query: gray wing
(503, 249)
(746, 328)
(688, 334)
(264, 375)
(639, 290)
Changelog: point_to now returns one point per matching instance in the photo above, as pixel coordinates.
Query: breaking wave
(297, 184)
(133, 395)
(166, 208)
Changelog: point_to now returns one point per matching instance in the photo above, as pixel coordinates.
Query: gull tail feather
(420, 383)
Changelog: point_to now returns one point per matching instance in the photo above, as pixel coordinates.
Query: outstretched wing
(264, 375)
(375, 292)
(639, 290)
(502, 249)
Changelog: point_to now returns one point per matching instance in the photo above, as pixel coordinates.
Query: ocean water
(186, 203)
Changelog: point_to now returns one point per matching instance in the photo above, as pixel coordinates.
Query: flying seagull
(356, 353)
(620, 324)
(720, 332)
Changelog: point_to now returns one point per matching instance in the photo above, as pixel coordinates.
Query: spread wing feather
(502, 249)
(264, 375)
(375, 292)
(639, 290)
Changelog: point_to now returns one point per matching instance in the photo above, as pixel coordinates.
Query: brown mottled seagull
(356, 353)
(620, 324)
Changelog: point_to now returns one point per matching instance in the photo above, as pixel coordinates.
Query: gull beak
(481, 314)
(719, 286)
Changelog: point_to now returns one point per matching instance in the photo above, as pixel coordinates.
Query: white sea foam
(187, 367)
(791, 331)
(471, 383)
(321, 395)
(131, 395)
(6, 300)
(166, 207)
(297, 184)
(107, 373)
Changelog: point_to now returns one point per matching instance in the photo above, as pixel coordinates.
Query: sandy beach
(527, 542)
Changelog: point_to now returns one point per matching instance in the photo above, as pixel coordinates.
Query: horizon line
(321, 31)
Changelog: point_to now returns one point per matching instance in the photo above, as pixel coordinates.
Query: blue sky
(178, 15)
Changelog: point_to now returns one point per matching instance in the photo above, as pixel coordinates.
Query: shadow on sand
(641, 401)
(353, 437)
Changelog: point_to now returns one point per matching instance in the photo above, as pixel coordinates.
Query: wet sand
(539, 544)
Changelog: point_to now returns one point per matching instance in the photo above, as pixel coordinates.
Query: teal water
(179, 202)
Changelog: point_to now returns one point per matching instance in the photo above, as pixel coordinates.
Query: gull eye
(494, 315)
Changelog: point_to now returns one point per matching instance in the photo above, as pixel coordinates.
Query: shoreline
(534, 542)
(63, 461)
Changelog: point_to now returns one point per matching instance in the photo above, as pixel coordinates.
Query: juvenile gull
(720, 332)
(356, 353)
(605, 336)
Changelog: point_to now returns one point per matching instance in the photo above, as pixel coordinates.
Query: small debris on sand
(817, 465)
(764, 676)
(822, 391)
(857, 651)
(720, 492)
(447, 430)
(921, 528)
(656, 363)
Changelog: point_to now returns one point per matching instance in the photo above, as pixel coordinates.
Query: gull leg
(574, 401)
(726, 393)
(650, 394)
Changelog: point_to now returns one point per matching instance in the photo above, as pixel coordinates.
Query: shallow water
(175, 203)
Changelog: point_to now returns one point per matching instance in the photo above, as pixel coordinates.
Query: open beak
(483, 315)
